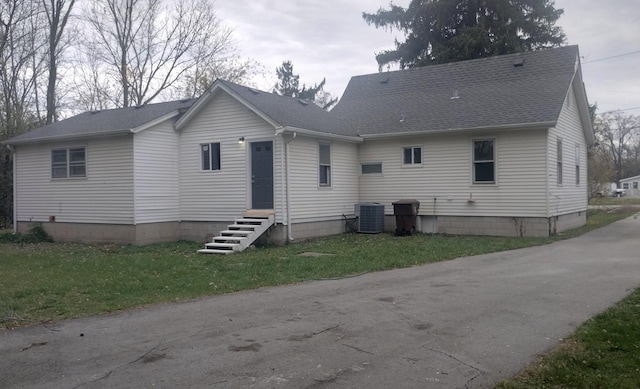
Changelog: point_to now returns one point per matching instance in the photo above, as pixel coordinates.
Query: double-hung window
(210, 156)
(324, 164)
(484, 161)
(412, 155)
(577, 165)
(69, 162)
(559, 160)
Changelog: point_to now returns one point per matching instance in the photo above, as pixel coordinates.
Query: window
(559, 160)
(69, 162)
(577, 165)
(635, 185)
(324, 164)
(210, 156)
(625, 185)
(371, 168)
(412, 155)
(484, 164)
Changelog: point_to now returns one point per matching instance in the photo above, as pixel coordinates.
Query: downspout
(15, 188)
(286, 152)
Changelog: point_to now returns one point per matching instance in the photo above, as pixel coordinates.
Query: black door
(262, 175)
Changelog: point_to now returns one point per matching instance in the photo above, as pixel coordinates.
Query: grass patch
(603, 353)
(615, 201)
(53, 281)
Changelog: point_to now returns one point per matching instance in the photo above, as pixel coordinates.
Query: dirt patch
(255, 347)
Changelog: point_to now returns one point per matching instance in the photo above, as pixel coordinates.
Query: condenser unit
(370, 217)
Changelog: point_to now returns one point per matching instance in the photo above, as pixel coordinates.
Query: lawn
(41, 282)
(603, 353)
(622, 201)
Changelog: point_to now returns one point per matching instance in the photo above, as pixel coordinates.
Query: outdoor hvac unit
(370, 217)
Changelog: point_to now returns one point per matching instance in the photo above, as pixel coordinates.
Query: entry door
(262, 175)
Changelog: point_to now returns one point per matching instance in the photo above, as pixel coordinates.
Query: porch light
(241, 140)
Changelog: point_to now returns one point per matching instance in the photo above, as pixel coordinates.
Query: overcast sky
(329, 38)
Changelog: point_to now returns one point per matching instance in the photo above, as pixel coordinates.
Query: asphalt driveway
(463, 323)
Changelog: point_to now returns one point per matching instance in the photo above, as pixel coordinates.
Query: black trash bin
(406, 212)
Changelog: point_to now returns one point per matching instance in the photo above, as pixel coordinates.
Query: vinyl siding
(309, 201)
(568, 197)
(157, 194)
(104, 196)
(224, 194)
(446, 174)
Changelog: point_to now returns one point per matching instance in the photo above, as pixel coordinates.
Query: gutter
(288, 192)
(518, 126)
(69, 137)
(14, 189)
(318, 134)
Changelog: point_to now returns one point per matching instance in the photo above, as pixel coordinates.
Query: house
(630, 186)
(494, 146)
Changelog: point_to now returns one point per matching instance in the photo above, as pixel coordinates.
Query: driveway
(466, 323)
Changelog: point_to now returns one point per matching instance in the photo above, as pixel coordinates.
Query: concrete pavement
(466, 323)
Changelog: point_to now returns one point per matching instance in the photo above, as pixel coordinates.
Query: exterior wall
(157, 193)
(567, 197)
(567, 221)
(311, 202)
(494, 226)
(302, 231)
(108, 233)
(224, 194)
(443, 182)
(201, 231)
(633, 186)
(105, 196)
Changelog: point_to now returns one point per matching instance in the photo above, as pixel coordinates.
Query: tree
(618, 135)
(57, 12)
(146, 46)
(289, 85)
(441, 31)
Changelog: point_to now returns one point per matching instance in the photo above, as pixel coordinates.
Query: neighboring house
(630, 186)
(494, 146)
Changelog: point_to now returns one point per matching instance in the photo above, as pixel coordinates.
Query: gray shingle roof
(490, 92)
(102, 122)
(287, 111)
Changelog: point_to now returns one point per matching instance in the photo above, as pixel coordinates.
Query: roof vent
(255, 92)
(456, 95)
(518, 62)
(303, 102)
(137, 107)
(95, 112)
(385, 80)
(185, 100)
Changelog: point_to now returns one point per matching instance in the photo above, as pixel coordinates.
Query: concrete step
(214, 251)
(243, 226)
(246, 220)
(235, 232)
(225, 239)
(221, 245)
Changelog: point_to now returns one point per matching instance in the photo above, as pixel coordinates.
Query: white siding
(104, 196)
(568, 197)
(446, 174)
(309, 201)
(157, 194)
(224, 194)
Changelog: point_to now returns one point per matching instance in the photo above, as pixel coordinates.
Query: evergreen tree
(441, 31)
(289, 85)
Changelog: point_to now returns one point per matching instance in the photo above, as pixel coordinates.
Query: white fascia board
(204, 99)
(153, 122)
(319, 134)
(60, 138)
(518, 126)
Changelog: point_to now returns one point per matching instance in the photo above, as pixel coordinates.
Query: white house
(630, 186)
(494, 146)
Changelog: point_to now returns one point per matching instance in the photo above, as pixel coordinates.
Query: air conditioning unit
(370, 217)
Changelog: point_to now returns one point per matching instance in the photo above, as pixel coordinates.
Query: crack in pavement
(107, 374)
(479, 371)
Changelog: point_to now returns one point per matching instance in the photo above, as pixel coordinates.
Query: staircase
(241, 234)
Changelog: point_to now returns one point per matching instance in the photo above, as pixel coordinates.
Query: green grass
(54, 281)
(603, 353)
(615, 201)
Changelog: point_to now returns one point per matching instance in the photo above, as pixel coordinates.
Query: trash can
(406, 212)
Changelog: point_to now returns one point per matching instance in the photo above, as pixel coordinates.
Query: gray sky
(329, 38)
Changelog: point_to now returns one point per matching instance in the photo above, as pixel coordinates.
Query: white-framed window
(324, 164)
(210, 153)
(484, 161)
(625, 185)
(412, 155)
(577, 165)
(371, 168)
(69, 162)
(559, 160)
